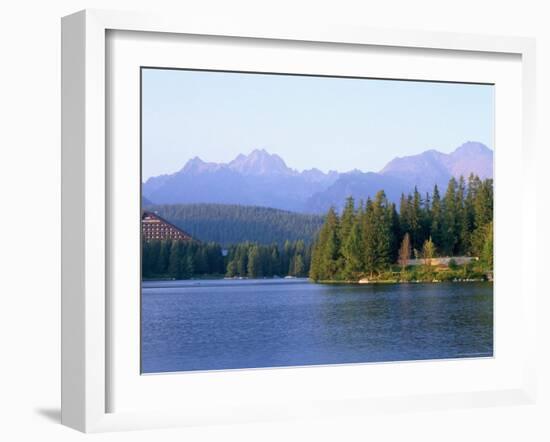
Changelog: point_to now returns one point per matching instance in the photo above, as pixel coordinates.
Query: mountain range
(264, 179)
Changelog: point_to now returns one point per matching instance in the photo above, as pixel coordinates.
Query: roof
(160, 218)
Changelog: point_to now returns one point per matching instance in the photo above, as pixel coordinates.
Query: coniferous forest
(180, 259)
(256, 260)
(187, 259)
(369, 239)
(228, 224)
(372, 239)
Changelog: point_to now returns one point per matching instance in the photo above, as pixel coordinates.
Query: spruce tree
(254, 269)
(164, 257)
(315, 272)
(331, 252)
(404, 215)
(369, 239)
(469, 210)
(395, 233)
(382, 227)
(347, 219)
(416, 220)
(242, 259)
(285, 257)
(299, 266)
(275, 260)
(188, 268)
(231, 269)
(326, 257)
(146, 262)
(462, 218)
(450, 218)
(436, 218)
(174, 265)
(352, 251)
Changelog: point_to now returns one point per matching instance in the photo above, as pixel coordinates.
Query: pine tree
(231, 269)
(416, 220)
(242, 259)
(382, 230)
(331, 252)
(163, 258)
(146, 262)
(174, 265)
(395, 233)
(299, 266)
(369, 239)
(483, 215)
(285, 257)
(275, 260)
(483, 204)
(254, 263)
(188, 268)
(347, 219)
(436, 215)
(326, 255)
(450, 218)
(462, 218)
(352, 251)
(469, 211)
(404, 215)
(315, 272)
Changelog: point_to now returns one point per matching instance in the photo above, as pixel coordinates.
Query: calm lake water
(224, 324)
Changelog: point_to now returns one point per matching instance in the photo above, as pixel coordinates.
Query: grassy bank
(420, 274)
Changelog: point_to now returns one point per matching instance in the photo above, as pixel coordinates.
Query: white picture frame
(86, 315)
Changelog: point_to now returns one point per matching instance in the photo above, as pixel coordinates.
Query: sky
(324, 122)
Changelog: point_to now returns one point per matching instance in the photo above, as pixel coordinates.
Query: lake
(227, 324)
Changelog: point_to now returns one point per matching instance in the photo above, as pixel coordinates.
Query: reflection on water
(224, 324)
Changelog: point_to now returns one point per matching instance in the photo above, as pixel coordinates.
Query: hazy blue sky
(328, 123)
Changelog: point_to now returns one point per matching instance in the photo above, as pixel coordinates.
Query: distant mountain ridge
(402, 175)
(257, 179)
(264, 179)
(433, 167)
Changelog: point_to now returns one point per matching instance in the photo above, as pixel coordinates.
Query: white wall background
(29, 193)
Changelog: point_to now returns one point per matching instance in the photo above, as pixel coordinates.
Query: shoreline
(390, 281)
(327, 282)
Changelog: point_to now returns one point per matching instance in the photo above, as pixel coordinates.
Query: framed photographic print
(250, 263)
(268, 223)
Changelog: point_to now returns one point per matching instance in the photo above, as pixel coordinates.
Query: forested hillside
(231, 224)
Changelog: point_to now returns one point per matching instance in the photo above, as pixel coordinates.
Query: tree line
(370, 238)
(186, 259)
(255, 260)
(180, 259)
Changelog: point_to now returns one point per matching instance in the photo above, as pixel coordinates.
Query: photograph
(292, 220)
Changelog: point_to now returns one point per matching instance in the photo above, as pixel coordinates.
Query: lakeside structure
(442, 261)
(154, 227)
